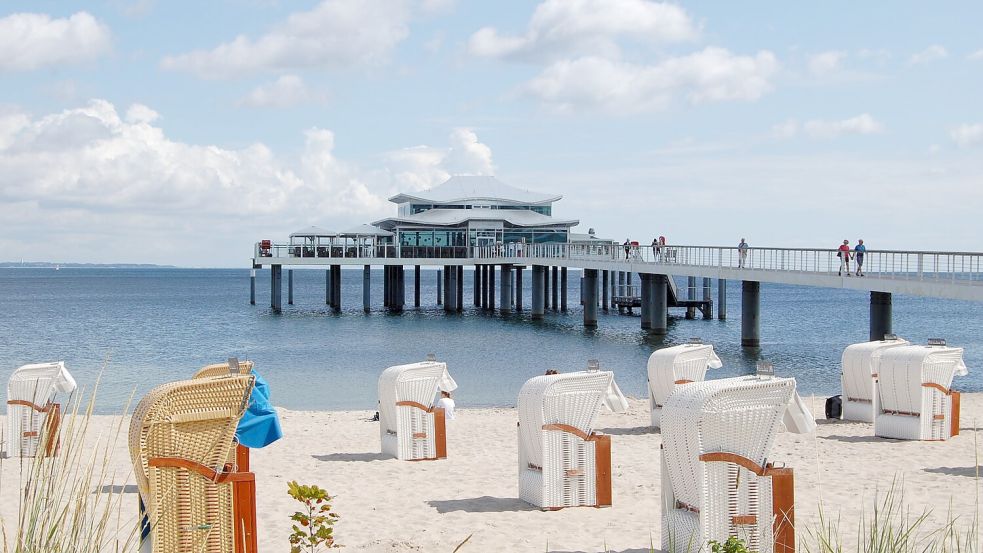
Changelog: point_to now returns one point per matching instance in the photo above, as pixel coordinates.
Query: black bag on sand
(834, 407)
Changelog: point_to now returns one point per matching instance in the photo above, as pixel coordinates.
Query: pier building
(506, 233)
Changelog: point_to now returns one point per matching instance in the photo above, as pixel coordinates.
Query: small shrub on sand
(314, 524)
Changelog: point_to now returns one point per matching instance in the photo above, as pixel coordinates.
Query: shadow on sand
(636, 431)
(484, 504)
(116, 488)
(970, 472)
(860, 439)
(353, 457)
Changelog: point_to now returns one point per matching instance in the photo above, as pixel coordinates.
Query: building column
(722, 299)
(416, 286)
(605, 288)
(659, 292)
(477, 286)
(275, 297)
(646, 308)
(590, 298)
(491, 287)
(505, 302)
(252, 286)
(556, 288)
(518, 288)
(367, 288)
(691, 296)
(750, 314)
(538, 293)
(563, 289)
(880, 315)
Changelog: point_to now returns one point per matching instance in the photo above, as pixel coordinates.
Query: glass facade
(443, 237)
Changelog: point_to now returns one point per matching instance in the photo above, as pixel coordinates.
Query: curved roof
(447, 217)
(461, 188)
(312, 232)
(365, 230)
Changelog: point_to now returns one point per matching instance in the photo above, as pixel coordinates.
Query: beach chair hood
(54, 378)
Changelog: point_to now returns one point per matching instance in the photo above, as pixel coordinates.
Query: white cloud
(967, 135)
(976, 56)
(32, 40)
(336, 33)
(826, 62)
(711, 75)
(287, 91)
(934, 52)
(820, 128)
(123, 182)
(581, 27)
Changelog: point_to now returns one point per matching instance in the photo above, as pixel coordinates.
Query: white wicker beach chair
(716, 477)
(411, 428)
(859, 370)
(31, 393)
(562, 461)
(915, 400)
(672, 366)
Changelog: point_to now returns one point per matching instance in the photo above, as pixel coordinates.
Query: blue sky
(178, 132)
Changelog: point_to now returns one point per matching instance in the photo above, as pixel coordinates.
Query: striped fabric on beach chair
(31, 411)
(410, 427)
(716, 478)
(672, 366)
(180, 440)
(915, 400)
(858, 377)
(562, 461)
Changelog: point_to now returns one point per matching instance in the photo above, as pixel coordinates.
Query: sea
(123, 331)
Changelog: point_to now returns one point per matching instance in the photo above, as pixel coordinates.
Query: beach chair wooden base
(783, 508)
(954, 416)
(602, 466)
(439, 435)
(244, 505)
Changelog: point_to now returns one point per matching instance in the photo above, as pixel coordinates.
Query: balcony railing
(955, 267)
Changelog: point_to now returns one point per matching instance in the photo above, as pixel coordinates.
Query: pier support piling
(880, 315)
(252, 286)
(477, 286)
(646, 296)
(590, 298)
(367, 288)
(721, 299)
(605, 288)
(691, 296)
(416, 286)
(484, 286)
(556, 288)
(275, 281)
(563, 289)
(518, 288)
(290, 286)
(621, 291)
(336, 287)
(707, 300)
(546, 287)
(450, 304)
(459, 303)
(505, 303)
(538, 292)
(659, 312)
(440, 283)
(750, 314)
(491, 287)
(327, 286)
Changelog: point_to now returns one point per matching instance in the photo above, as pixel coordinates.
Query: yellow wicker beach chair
(181, 436)
(222, 369)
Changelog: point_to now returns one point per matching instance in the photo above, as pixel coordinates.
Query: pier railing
(955, 267)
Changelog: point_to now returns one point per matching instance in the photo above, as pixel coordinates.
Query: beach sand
(390, 505)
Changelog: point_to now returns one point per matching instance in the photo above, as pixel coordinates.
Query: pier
(952, 275)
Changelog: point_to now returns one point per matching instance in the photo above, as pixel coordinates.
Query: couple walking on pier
(858, 255)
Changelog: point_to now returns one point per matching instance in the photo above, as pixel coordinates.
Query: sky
(183, 132)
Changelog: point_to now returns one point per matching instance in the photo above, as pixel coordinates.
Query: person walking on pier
(844, 255)
(627, 248)
(742, 254)
(655, 249)
(858, 255)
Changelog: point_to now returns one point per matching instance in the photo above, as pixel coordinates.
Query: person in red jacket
(844, 255)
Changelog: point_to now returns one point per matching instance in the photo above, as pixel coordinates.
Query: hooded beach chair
(859, 372)
(915, 400)
(31, 411)
(562, 461)
(672, 366)
(717, 480)
(181, 438)
(222, 369)
(411, 428)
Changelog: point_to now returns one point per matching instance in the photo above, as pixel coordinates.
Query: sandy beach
(389, 505)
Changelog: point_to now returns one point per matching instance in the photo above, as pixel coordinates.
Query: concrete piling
(440, 284)
(750, 314)
(646, 292)
(275, 281)
(563, 289)
(556, 288)
(722, 299)
(538, 292)
(880, 315)
(252, 286)
(605, 288)
(505, 303)
(416, 286)
(590, 298)
(518, 288)
(659, 294)
(367, 288)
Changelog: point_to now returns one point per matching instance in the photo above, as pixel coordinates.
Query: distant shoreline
(49, 265)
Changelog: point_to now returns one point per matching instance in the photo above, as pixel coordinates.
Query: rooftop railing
(955, 267)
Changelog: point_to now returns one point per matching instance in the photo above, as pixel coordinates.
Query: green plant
(314, 525)
(732, 545)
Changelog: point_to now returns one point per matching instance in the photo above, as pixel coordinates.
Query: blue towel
(259, 425)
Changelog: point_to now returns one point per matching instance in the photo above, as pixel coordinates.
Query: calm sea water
(142, 327)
